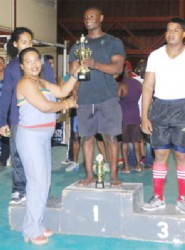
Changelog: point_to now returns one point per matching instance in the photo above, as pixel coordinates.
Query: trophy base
(99, 184)
(84, 76)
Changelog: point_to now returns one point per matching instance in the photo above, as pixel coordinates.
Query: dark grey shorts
(103, 118)
(168, 121)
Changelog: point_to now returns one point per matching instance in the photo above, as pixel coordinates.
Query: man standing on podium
(166, 122)
(99, 109)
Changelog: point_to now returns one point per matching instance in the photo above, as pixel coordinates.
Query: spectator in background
(59, 80)
(129, 91)
(147, 153)
(2, 69)
(5, 148)
(50, 59)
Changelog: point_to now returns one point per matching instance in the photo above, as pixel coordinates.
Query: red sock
(159, 175)
(181, 181)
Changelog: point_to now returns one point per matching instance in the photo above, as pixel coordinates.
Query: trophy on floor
(99, 170)
(81, 54)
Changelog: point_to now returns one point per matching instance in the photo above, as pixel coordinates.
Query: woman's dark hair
(11, 50)
(24, 51)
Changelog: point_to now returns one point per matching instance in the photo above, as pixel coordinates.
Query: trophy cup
(83, 53)
(99, 169)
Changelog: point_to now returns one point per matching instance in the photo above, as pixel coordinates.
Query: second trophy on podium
(99, 170)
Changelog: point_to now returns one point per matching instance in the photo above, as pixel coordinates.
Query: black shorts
(168, 121)
(98, 137)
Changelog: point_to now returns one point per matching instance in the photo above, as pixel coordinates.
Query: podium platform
(108, 212)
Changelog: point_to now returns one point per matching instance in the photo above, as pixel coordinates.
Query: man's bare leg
(113, 155)
(137, 152)
(126, 167)
(88, 154)
(102, 149)
(76, 146)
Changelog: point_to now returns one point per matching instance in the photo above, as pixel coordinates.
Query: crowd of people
(107, 108)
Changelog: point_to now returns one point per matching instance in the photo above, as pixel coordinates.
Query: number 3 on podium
(164, 230)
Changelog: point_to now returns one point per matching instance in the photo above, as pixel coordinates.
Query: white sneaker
(66, 162)
(73, 166)
(17, 198)
(180, 205)
(107, 167)
(9, 162)
(154, 204)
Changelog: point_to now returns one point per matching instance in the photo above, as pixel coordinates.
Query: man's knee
(76, 137)
(161, 155)
(111, 138)
(180, 157)
(87, 138)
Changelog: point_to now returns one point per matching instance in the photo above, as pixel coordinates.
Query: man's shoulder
(159, 50)
(74, 47)
(114, 43)
(111, 37)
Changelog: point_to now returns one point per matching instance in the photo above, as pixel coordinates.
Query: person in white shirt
(166, 121)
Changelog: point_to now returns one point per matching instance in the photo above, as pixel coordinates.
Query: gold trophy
(99, 169)
(83, 53)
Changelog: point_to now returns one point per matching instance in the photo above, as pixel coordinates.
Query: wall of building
(40, 16)
(6, 15)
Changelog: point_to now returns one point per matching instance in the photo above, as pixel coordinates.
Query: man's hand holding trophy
(83, 53)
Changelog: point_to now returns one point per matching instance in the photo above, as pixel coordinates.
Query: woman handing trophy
(81, 54)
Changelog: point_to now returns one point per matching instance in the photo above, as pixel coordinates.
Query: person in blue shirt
(4, 141)
(20, 39)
